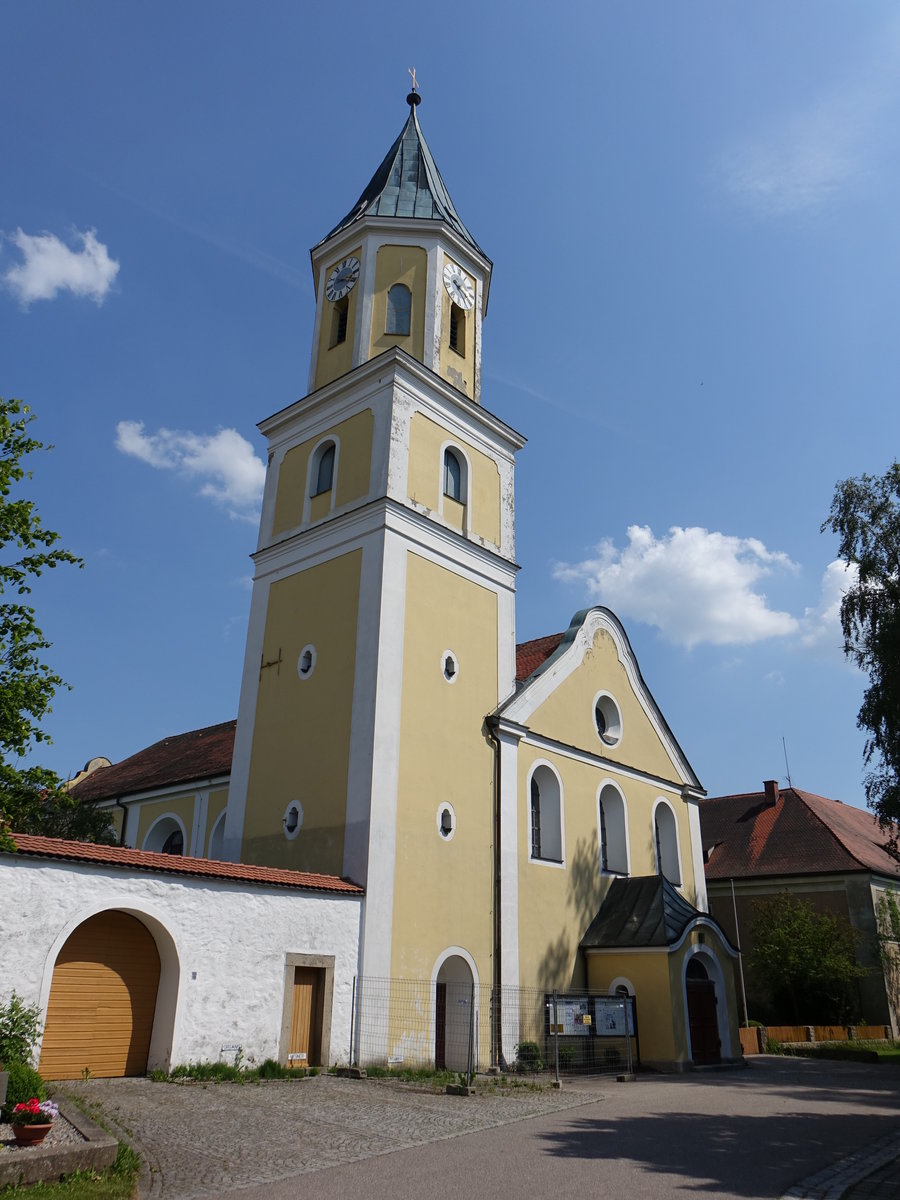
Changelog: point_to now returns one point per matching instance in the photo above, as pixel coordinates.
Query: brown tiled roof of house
(531, 655)
(175, 864)
(182, 758)
(790, 832)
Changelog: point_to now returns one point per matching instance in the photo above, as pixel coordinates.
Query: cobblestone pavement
(747, 1134)
(206, 1139)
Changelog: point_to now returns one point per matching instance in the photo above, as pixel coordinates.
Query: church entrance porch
(703, 1022)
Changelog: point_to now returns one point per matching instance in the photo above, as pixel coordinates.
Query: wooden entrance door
(303, 1049)
(102, 1000)
(704, 1021)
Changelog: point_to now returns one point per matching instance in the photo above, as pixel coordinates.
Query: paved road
(766, 1131)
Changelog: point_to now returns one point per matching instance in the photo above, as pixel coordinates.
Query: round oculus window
(449, 666)
(607, 719)
(446, 821)
(306, 662)
(293, 819)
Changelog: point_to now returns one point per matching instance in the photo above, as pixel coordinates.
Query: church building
(504, 816)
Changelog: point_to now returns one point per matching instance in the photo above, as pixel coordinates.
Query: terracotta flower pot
(30, 1135)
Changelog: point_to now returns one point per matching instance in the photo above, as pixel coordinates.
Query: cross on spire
(413, 98)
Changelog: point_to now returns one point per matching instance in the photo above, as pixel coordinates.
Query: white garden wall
(222, 944)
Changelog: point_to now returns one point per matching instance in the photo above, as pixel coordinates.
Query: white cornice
(209, 782)
(393, 367)
(348, 531)
(551, 745)
(416, 231)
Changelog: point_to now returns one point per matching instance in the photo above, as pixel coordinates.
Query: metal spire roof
(408, 184)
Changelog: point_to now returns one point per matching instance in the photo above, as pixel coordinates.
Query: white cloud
(693, 585)
(821, 625)
(822, 148)
(50, 266)
(223, 462)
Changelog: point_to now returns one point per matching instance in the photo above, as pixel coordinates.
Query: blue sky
(691, 211)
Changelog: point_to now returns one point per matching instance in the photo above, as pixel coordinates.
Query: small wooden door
(102, 1000)
(303, 1050)
(704, 1021)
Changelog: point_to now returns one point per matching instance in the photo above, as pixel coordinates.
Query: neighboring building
(502, 806)
(829, 853)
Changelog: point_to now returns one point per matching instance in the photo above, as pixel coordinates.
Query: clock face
(459, 286)
(342, 279)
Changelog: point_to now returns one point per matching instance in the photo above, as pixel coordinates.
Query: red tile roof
(174, 864)
(790, 832)
(531, 655)
(199, 754)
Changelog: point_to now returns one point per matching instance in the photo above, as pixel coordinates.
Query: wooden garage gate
(102, 1000)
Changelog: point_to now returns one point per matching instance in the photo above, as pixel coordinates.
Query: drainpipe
(497, 973)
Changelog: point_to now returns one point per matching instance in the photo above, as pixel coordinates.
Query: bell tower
(382, 624)
(401, 269)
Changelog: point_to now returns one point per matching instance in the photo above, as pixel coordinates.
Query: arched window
(666, 835)
(174, 843)
(453, 476)
(546, 816)
(613, 831)
(399, 307)
(323, 470)
(165, 836)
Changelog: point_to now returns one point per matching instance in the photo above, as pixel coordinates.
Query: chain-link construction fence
(459, 1026)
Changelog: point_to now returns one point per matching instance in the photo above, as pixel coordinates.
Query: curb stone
(832, 1183)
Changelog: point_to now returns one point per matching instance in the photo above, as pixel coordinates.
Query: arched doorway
(453, 1000)
(102, 1000)
(703, 1017)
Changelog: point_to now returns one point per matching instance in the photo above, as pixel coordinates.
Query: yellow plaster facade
(352, 481)
(182, 806)
(458, 368)
(332, 361)
(218, 802)
(296, 717)
(568, 714)
(425, 480)
(407, 265)
(435, 875)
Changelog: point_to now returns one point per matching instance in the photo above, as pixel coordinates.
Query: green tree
(32, 799)
(806, 959)
(887, 912)
(865, 514)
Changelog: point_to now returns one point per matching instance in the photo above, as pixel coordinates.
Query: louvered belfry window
(457, 329)
(339, 321)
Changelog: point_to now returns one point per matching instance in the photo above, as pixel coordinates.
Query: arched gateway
(102, 1000)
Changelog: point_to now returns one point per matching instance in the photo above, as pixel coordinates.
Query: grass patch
(220, 1072)
(413, 1075)
(117, 1182)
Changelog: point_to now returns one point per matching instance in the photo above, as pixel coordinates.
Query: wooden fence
(753, 1040)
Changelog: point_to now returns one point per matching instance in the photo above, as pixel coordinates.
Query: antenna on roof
(786, 767)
